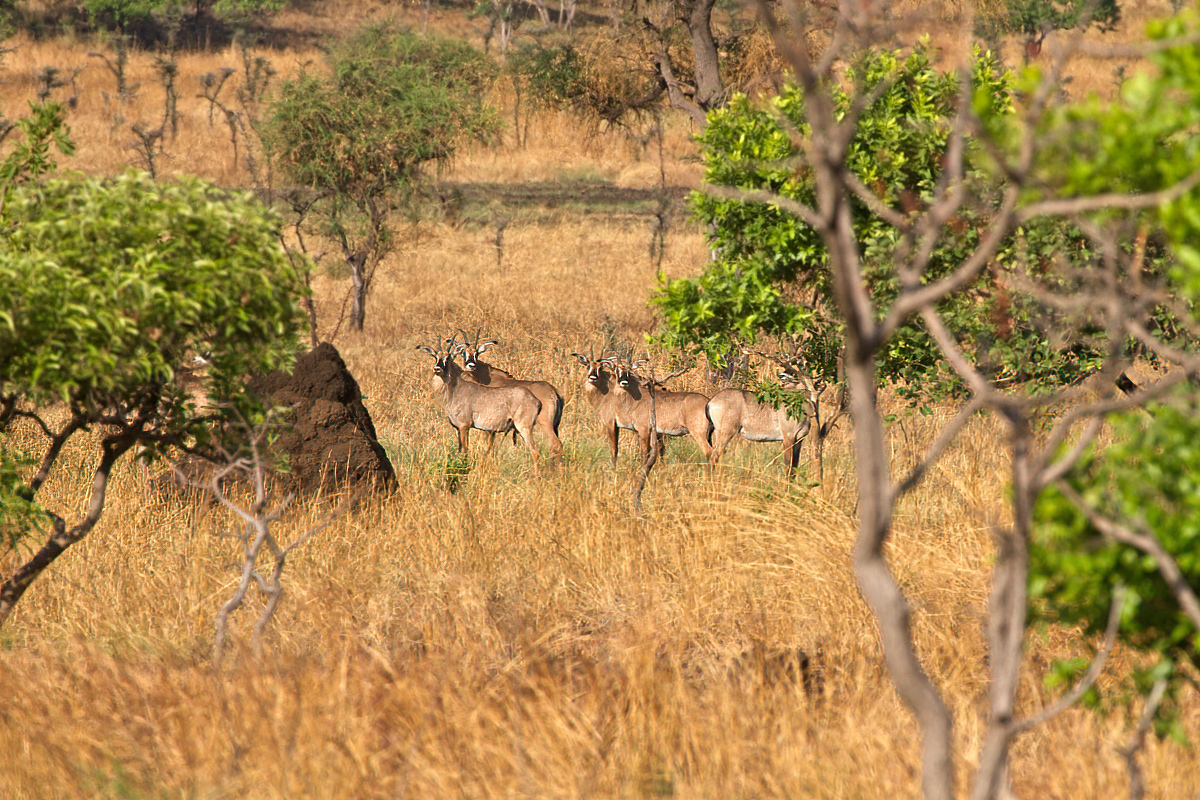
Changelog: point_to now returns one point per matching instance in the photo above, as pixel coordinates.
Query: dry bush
(518, 637)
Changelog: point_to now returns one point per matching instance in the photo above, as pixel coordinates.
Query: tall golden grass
(519, 637)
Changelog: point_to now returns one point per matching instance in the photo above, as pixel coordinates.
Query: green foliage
(1150, 478)
(394, 102)
(1066, 673)
(554, 76)
(600, 78)
(107, 288)
(1148, 481)
(1148, 141)
(31, 157)
(121, 14)
(771, 273)
(1035, 17)
(18, 512)
(772, 394)
(454, 470)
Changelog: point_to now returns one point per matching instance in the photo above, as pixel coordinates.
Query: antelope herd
(482, 396)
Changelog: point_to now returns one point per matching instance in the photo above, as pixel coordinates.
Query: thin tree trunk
(311, 308)
(704, 52)
(542, 11)
(1006, 619)
(358, 306)
(566, 14)
(14, 588)
(878, 587)
(875, 493)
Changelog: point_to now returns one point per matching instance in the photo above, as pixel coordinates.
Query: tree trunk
(566, 14)
(1006, 618)
(14, 588)
(704, 52)
(542, 11)
(358, 306)
(708, 91)
(875, 492)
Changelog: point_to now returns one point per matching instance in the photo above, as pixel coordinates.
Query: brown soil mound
(332, 441)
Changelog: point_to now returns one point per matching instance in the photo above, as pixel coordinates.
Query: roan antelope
(737, 412)
(613, 410)
(485, 374)
(676, 413)
(492, 409)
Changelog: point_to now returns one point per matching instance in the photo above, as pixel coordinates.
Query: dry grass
(519, 637)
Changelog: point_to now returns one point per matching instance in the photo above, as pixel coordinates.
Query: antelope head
(629, 373)
(596, 365)
(472, 350)
(442, 357)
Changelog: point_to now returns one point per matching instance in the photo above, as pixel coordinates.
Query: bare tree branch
(1093, 672)
(875, 205)
(1072, 206)
(1137, 784)
(947, 435)
(12, 589)
(918, 297)
(794, 207)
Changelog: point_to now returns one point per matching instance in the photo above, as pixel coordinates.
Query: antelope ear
(427, 349)
(483, 347)
(581, 358)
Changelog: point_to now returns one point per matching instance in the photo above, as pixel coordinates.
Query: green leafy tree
(909, 220)
(122, 15)
(32, 154)
(601, 78)
(1035, 18)
(771, 271)
(394, 103)
(108, 291)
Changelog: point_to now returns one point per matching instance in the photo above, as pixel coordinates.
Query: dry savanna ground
(518, 637)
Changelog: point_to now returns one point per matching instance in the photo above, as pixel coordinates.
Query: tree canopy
(770, 272)
(109, 289)
(395, 101)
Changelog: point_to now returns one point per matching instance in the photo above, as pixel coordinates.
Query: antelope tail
(558, 409)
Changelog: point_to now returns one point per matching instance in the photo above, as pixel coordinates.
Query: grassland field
(518, 637)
